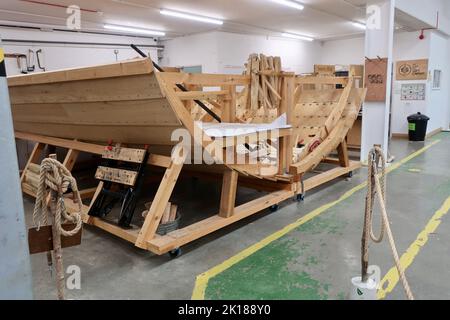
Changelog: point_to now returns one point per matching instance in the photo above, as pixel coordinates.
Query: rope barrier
(377, 189)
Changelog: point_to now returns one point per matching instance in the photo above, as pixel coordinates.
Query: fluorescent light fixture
(297, 36)
(359, 25)
(289, 3)
(134, 30)
(191, 17)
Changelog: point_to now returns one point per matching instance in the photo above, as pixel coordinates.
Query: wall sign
(413, 92)
(412, 70)
(375, 79)
(437, 75)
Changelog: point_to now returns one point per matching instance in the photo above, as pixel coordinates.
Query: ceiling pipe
(56, 5)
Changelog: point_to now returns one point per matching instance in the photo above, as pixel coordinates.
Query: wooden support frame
(145, 237)
(283, 185)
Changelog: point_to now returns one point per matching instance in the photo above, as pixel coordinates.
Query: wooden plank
(42, 240)
(343, 154)
(321, 80)
(161, 199)
(62, 143)
(228, 197)
(128, 114)
(125, 88)
(159, 161)
(324, 69)
(201, 95)
(35, 168)
(166, 216)
(34, 157)
(121, 176)
(124, 154)
(71, 158)
(329, 175)
(178, 238)
(173, 212)
(204, 79)
(254, 89)
(130, 67)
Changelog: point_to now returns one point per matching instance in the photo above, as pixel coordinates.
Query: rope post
(57, 250)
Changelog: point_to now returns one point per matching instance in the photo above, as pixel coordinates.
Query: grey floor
(114, 269)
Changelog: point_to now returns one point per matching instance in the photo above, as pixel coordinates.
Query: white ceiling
(321, 19)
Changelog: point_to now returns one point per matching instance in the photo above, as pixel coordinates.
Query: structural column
(15, 270)
(378, 43)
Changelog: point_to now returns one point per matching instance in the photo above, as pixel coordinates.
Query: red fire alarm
(422, 35)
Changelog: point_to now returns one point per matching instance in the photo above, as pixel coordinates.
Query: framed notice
(412, 70)
(375, 79)
(437, 75)
(413, 91)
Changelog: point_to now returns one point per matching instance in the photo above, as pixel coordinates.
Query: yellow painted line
(202, 280)
(2, 55)
(391, 278)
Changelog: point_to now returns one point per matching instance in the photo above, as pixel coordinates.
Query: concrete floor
(326, 252)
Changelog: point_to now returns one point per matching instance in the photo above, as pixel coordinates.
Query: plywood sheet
(412, 70)
(375, 81)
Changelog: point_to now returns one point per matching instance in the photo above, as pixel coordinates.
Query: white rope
(377, 187)
(56, 177)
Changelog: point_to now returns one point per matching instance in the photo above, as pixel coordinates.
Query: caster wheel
(175, 253)
(300, 197)
(350, 174)
(274, 208)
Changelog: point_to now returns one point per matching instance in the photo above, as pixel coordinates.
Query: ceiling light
(191, 17)
(296, 36)
(134, 30)
(289, 3)
(359, 25)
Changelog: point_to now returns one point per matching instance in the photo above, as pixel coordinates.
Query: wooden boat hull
(119, 102)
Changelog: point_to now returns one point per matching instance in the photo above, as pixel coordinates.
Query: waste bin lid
(418, 117)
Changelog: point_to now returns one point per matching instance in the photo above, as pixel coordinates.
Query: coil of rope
(56, 177)
(377, 189)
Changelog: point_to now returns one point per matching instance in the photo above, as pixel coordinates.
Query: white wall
(343, 52)
(60, 56)
(439, 100)
(435, 47)
(201, 49)
(221, 52)
(296, 56)
(407, 46)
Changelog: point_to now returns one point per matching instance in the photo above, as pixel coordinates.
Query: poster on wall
(437, 75)
(413, 91)
(375, 79)
(412, 70)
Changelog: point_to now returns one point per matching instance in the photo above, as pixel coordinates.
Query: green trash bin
(417, 125)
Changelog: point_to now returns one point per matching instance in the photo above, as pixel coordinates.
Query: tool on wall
(30, 61)
(179, 86)
(22, 61)
(116, 52)
(39, 59)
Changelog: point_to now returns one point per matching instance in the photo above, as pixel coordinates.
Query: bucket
(363, 290)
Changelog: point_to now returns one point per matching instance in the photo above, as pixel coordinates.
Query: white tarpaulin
(218, 130)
